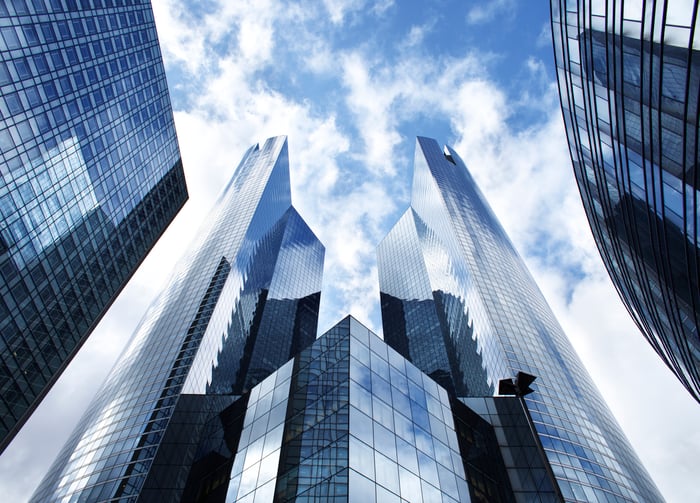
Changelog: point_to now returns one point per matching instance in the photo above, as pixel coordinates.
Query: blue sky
(352, 83)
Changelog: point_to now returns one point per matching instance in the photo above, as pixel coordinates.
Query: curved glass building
(240, 304)
(458, 302)
(629, 79)
(90, 177)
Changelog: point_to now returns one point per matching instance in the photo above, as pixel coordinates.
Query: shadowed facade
(90, 174)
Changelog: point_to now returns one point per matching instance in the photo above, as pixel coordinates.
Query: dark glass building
(350, 420)
(91, 177)
(459, 303)
(629, 92)
(240, 303)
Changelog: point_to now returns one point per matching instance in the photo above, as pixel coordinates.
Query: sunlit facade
(91, 177)
(629, 79)
(239, 305)
(459, 303)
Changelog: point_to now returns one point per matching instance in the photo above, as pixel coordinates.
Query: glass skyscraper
(241, 302)
(458, 302)
(629, 79)
(91, 177)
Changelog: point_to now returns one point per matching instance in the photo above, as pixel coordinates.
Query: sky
(352, 83)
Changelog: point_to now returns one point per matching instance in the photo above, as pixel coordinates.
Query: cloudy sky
(352, 83)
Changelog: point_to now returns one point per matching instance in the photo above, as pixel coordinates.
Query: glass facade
(449, 267)
(510, 430)
(628, 80)
(241, 302)
(91, 177)
(349, 419)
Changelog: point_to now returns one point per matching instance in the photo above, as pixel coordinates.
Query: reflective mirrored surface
(628, 87)
(452, 284)
(240, 303)
(90, 177)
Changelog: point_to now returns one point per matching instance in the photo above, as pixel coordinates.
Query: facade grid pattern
(328, 426)
(91, 177)
(629, 83)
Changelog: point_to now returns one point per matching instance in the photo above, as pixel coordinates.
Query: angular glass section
(349, 419)
(629, 93)
(402, 420)
(457, 296)
(90, 175)
(423, 309)
(530, 474)
(240, 303)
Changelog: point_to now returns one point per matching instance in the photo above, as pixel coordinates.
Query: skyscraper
(458, 302)
(91, 177)
(242, 301)
(629, 92)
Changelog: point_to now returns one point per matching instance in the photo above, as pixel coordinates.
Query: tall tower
(458, 302)
(242, 301)
(629, 94)
(90, 175)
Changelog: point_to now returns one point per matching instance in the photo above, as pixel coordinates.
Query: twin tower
(226, 394)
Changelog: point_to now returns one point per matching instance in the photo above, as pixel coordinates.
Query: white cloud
(178, 41)
(383, 96)
(417, 33)
(544, 39)
(478, 115)
(489, 10)
(319, 57)
(255, 39)
(196, 41)
(340, 9)
(371, 103)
